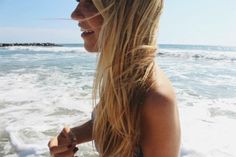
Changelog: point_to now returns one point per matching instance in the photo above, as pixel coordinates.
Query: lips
(86, 32)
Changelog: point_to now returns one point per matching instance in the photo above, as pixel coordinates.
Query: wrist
(74, 136)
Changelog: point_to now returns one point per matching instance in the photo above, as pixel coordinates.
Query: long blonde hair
(128, 43)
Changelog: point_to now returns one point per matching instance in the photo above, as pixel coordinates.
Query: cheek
(97, 25)
(100, 20)
(96, 22)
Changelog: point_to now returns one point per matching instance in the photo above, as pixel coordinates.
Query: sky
(197, 22)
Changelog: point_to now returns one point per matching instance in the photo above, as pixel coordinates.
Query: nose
(76, 14)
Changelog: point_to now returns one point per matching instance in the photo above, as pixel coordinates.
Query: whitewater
(43, 89)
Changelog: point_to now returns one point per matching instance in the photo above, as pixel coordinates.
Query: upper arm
(160, 128)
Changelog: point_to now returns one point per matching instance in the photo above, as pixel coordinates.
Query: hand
(64, 145)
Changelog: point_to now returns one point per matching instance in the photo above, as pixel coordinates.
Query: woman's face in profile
(90, 27)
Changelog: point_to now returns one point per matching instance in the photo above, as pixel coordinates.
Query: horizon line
(171, 44)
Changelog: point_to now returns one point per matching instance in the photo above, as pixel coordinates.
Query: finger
(55, 148)
(59, 149)
(64, 133)
(63, 141)
(68, 153)
(67, 132)
(72, 137)
(63, 137)
(53, 142)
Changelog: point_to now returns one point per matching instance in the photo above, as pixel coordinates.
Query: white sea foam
(48, 49)
(42, 90)
(22, 148)
(206, 133)
(199, 54)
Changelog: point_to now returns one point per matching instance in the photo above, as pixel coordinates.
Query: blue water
(43, 89)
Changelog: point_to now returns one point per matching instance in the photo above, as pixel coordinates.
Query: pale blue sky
(208, 22)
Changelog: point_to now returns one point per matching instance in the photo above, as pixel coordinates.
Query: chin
(92, 49)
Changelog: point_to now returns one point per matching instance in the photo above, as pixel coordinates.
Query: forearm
(83, 133)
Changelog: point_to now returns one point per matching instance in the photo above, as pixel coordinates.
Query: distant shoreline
(28, 44)
(162, 46)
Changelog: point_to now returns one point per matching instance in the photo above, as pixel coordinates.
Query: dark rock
(28, 44)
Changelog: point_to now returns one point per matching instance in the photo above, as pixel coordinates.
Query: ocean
(43, 89)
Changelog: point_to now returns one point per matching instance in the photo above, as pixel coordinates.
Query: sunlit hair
(128, 45)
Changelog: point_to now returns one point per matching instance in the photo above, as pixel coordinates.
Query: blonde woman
(136, 113)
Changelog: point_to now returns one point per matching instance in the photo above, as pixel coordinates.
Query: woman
(136, 113)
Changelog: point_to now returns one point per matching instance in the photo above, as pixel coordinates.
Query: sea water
(43, 89)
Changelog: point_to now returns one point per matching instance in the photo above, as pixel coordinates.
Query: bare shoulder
(160, 128)
(161, 96)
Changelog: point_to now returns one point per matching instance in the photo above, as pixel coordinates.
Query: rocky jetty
(28, 44)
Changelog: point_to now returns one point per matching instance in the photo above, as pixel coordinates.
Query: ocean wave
(45, 49)
(199, 54)
(197, 47)
(196, 54)
(23, 149)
